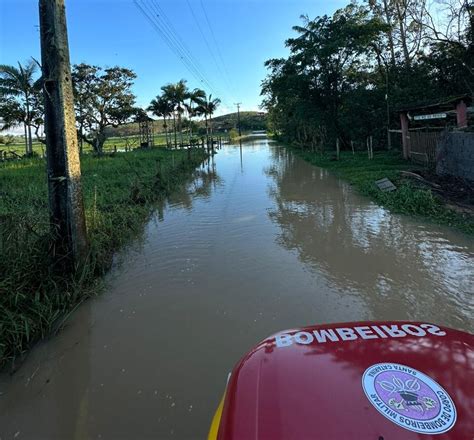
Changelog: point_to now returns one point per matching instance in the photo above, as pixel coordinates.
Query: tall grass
(407, 199)
(120, 191)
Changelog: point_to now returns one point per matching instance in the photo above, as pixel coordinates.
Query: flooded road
(259, 242)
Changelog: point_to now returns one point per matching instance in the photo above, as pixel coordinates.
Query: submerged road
(260, 241)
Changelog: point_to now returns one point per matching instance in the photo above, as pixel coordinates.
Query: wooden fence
(422, 146)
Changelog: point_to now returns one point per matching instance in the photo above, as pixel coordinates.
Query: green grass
(407, 199)
(120, 142)
(120, 192)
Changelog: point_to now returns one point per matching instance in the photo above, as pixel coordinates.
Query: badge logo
(409, 398)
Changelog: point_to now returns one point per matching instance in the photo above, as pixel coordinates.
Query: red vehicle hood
(365, 380)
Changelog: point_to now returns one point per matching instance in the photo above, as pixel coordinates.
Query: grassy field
(120, 142)
(407, 199)
(120, 191)
(123, 142)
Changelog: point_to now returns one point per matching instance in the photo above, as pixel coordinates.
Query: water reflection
(397, 266)
(203, 181)
(257, 241)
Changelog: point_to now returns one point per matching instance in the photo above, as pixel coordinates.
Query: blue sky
(241, 36)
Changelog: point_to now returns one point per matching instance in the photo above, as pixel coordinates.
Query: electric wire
(171, 41)
(175, 35)
(219, 53)
(164, 27)
(170, 29)
(209, 48)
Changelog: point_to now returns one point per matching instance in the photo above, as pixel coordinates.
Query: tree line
(346, 74)
(103, 98)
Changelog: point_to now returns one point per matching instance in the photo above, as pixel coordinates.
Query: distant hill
(248, 121)
(131, 129)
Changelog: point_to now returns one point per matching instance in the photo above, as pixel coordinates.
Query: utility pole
(238, 116)
(66, 206)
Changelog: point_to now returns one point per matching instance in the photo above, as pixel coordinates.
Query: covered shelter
(422, 124)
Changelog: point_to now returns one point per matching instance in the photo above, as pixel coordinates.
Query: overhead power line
(170, 29)
(203, 35)
(150, 16)
(165, 29)
(219, 53)
(173, 42)
(175, 35)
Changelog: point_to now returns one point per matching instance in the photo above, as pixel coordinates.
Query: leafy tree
(403, 32)
(103, 99)
(345, 72)
(451, 42)
(328, 63)
(84, 79)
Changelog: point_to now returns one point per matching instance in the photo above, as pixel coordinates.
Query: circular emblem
(409, 398)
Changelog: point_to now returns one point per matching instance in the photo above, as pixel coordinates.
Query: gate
(422, 146)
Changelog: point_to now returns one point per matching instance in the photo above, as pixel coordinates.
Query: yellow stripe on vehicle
(216, 420)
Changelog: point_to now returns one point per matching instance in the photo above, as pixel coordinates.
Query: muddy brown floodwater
(260, 241)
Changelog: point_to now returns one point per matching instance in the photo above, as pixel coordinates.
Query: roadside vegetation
(103, 102)
(347, 75)
(126, 136)
(123, 178)
(120, 191)
(409, 198)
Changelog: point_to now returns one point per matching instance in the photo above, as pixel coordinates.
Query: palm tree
(169, 96)
(11, 113)
(181, 94)
(202, 111)
(196, 97)
(176, 94)
(160, 106)
(210, 106)
(18, 82)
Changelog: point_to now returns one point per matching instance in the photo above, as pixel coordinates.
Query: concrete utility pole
(63, 165)
(238, 116)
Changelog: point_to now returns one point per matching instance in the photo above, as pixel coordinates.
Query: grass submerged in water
(120, 192)
(407, 199)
